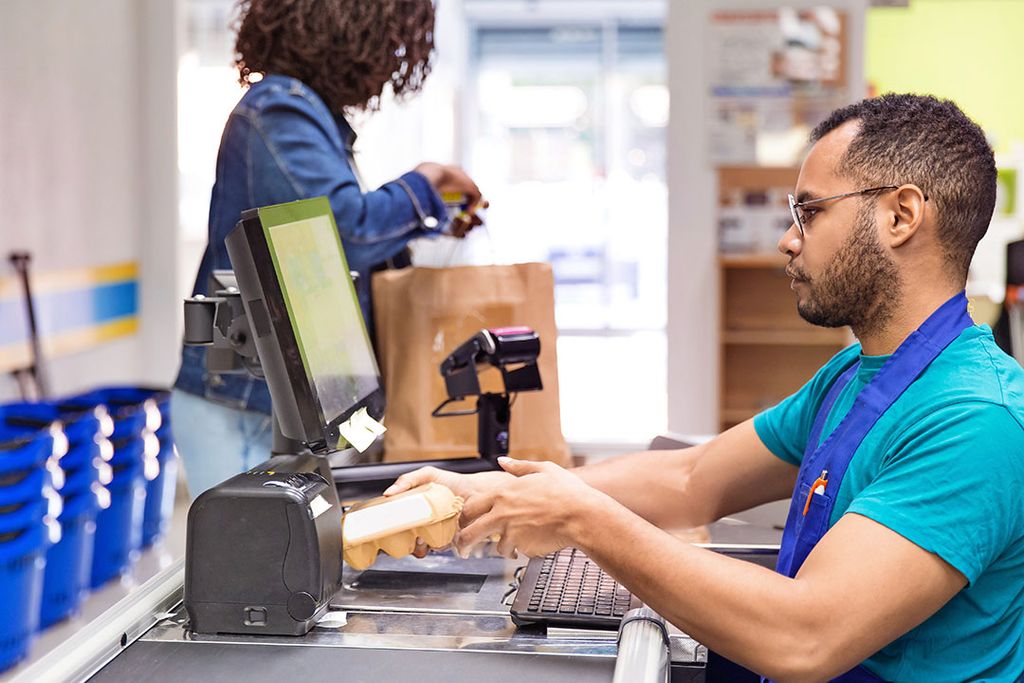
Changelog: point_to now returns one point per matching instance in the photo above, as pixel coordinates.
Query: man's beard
(859, 287)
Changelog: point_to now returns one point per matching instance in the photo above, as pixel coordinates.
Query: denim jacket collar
(348, 135)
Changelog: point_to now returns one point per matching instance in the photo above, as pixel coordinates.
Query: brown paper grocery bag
(422, 315)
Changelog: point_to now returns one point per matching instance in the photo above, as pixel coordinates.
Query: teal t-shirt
(944, 468)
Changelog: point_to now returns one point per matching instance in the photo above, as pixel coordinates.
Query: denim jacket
(280, 144)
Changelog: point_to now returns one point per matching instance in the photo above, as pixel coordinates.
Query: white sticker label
(319, 506)
(397, 514)
(361, 430)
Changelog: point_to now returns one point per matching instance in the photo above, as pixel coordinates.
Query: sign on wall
(772, 74)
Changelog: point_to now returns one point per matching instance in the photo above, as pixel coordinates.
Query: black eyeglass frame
(795, 206)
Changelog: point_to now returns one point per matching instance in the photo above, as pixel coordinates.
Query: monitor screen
(323, 309)
(305, 321)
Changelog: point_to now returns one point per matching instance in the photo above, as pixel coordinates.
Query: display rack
(766, 350)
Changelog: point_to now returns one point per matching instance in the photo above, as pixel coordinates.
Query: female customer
(307, 65)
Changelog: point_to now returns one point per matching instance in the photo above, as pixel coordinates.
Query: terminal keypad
(570, 583)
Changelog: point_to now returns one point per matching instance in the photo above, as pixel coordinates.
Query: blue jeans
(216, 442)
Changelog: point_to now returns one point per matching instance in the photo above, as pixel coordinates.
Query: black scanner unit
(264, 549)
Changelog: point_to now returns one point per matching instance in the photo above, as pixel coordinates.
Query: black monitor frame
(295, 401)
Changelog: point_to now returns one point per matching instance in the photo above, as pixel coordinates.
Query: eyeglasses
(796, 208)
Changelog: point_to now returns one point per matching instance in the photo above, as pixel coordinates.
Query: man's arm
(671, 489)
(693, 486)
(861, 587)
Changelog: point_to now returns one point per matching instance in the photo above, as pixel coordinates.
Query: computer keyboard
(567, 588)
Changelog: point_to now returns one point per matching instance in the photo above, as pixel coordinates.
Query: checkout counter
(263, 554)
(439, 619)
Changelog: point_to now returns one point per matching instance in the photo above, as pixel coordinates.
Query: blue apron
(824, 466)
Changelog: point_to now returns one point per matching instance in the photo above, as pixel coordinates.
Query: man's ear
(904, 212)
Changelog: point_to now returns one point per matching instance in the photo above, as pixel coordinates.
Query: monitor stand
(281, 444)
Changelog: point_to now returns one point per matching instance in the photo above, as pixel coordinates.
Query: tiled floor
(150, 563)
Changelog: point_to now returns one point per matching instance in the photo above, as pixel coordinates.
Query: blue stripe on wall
(58, 312)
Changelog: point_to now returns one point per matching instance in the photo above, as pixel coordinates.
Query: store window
(567, 136)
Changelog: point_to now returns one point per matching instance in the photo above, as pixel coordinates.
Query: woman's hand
(449, 179)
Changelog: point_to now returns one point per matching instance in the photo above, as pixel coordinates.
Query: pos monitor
(305, 320)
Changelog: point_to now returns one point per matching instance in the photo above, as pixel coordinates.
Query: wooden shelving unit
(766, 350)
(783, 337)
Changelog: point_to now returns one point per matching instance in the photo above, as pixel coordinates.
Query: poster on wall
(772, 75)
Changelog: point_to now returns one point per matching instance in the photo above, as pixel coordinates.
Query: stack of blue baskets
(85, 473)
(140, 466)
(28, 527)
(109, 454)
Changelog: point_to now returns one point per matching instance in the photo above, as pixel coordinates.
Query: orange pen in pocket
(817, 488)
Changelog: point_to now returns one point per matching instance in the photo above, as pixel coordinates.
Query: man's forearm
(743, 611)
(652, 484)
(686, 488)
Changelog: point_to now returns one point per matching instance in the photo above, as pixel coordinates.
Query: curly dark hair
(345, 50)
(921, 139)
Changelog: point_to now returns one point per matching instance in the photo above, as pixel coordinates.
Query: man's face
(842, 275)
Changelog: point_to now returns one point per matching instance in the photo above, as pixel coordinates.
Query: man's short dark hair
(931, 143)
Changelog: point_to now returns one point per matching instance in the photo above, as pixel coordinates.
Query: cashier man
(903, 553)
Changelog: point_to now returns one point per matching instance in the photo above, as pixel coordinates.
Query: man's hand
(463, 485)
(536, 513)
(466, 486)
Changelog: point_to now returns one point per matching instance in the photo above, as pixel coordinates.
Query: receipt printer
(263, 551)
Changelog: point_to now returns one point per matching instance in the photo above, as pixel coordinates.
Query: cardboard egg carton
(393, 523)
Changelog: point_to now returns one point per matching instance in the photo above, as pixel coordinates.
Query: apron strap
(834, 454)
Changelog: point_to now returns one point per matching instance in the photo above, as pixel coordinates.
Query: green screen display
(322, 304)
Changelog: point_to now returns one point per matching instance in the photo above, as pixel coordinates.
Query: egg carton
(393, 523)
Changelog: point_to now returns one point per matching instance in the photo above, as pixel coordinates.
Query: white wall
(87, 161)
(692, 243)
(160, 23)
